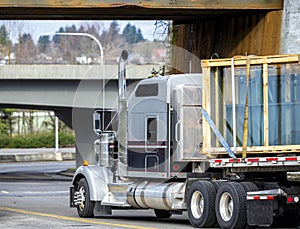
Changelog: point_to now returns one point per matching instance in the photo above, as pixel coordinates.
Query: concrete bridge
(72, 91)
(64, 86)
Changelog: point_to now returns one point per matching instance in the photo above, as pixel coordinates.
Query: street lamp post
(101, 62)
(56, 135)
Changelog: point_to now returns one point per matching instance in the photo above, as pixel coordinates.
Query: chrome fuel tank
(167, 196)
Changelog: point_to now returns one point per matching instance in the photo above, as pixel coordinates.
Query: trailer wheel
(231, 206)
(200, 204)
(86, 207)
(163, 214)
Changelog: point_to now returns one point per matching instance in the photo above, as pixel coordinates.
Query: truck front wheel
(85, 206)
(200, 204)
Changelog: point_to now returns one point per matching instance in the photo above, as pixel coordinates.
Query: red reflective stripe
(218, 161)
(253, 159)
(234, 160)
(272, 159)
(263, 197)
(291, 158)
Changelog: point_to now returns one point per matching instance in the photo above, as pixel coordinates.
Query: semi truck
(222, 145)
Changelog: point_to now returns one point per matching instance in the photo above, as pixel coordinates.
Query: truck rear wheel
(249, 186)
(217, 183)
(86, 207)
(231, 206)
(200, 204)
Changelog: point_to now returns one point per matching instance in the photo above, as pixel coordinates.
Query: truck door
(148, 135)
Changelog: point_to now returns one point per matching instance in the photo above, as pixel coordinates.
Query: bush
(39, 140)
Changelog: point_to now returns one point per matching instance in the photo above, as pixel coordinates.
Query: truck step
(116, 195)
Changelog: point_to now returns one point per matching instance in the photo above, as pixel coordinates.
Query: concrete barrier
(28, 155)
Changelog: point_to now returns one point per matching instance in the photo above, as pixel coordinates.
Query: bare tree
(162, 30)
(13, 27)
(112, 38)
(26, 50)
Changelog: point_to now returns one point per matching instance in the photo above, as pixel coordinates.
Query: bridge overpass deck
(64, 86)
(130, 9)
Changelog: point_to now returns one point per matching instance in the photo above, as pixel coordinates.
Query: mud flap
(100, 210)
(72, 191)
(260, 212)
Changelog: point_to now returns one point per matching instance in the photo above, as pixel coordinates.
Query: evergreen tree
(26, 37)
(56, 39)
(3, 36)
(43, 43)
(71, 29)
(114, 29)
(6, 121)
(139, 35)
(132, 35)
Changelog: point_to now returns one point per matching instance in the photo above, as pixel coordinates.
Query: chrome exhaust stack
(122, 75)
(122, 115)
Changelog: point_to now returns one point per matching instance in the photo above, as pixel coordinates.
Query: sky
(39, 27)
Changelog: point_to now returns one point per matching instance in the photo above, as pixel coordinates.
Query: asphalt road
(33, 195)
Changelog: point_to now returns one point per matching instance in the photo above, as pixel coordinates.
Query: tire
(231, 206)
(217, 183)
(249, 186)
(86, 208)
(270, 185)
(163, 214)
(200, 204)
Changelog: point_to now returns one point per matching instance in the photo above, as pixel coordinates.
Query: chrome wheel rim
(226, 206)
(197, 204)
(82, 197)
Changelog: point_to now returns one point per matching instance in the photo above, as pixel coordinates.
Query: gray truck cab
(160, 111)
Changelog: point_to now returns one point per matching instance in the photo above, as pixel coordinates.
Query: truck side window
(152, 131)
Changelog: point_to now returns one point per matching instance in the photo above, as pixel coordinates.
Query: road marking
(81, 220)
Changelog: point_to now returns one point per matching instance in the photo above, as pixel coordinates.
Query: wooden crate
(271, 84)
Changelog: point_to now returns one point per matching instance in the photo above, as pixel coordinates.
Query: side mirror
(97, 122)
